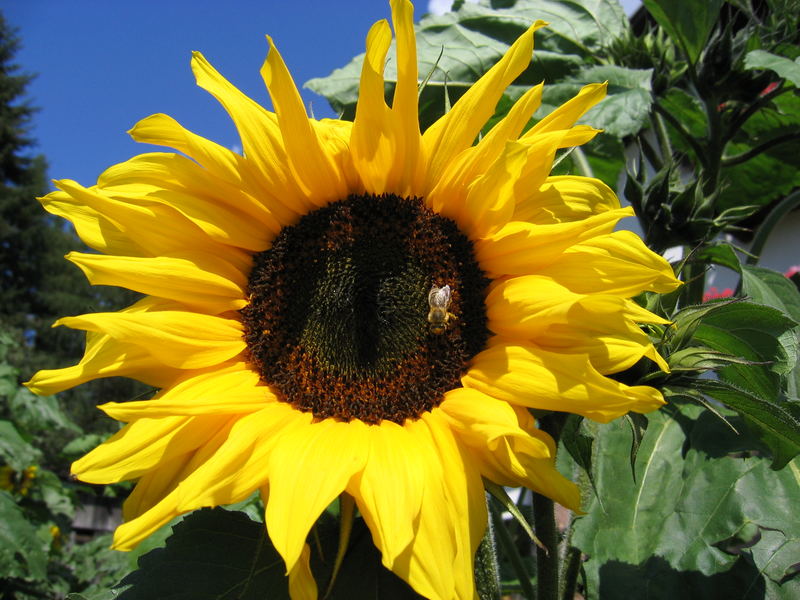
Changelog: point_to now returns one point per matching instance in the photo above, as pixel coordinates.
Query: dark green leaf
(695, 487)
(223, 555)
(638, 424)
(212, 554)
(687, 320)
(688, 22)
(720, 254)
(754, 332)
(698, 358)
(777, 424)
(578, 444)
(22, 554)
(38, 413)
(785, 68)
(14, 450)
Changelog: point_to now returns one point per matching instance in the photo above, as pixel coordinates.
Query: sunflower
(357, 308)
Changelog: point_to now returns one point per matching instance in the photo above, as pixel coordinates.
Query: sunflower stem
(487, 569)
(572, 569)
(511, 552)
(544, 524)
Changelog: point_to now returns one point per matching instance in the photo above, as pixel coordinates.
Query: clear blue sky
(102, 65)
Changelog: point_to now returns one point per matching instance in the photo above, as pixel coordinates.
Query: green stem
(572, 570)
(510, 551)
(487, 570)
(699, 151)
(753, 152)
(544, 523)
(582, 162)
(695, 278)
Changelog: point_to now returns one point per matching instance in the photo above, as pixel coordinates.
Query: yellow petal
(177, 173)
(457, 130)
(520, 248)
(466, 498)
(615, 263)
(533, 377)
(156, 488)
(241, 464)
(486, 422)
(490, 201)
(464, 168)
(302, 585)
(612, 345)
(94, 228)
(232, 390)
(568, 113)
(104, 357)
(390, 488)
(407, 170)
(223, 164)
(261, 137)
(159, 229)
(142, 445)
(428, 562)
(197, 279)
(372, 140)
(324, 456)
(108, 357)
(179, 339)
(566, 198)
(312, 167)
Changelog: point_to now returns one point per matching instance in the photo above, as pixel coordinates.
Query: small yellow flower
(294, 321)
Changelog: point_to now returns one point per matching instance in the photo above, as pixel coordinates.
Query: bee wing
(439, 297)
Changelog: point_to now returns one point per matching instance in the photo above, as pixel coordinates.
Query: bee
(439, 301)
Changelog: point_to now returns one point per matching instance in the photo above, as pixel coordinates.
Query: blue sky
(103, 65)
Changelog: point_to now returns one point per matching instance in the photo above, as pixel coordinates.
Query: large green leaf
(23, 555)
(704, 518)
(223, 555)
(14, 449)
(786, 68)
(688, 22)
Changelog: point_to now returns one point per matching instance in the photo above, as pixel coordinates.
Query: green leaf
(771, 288)
(37, 413)
(785, 68)
(757, 333)
(22, 554)
(217, 554)
(14, 450)
(696, 486)
(638, 424)
(775, 424)
(579, 445)
(722, 254)
(688, 22)
(212, 554)
(687, 320)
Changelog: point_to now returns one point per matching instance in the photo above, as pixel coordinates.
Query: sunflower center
(342, 320)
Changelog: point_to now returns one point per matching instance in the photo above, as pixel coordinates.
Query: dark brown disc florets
(337, 321)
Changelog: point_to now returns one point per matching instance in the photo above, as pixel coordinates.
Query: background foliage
(702, 135)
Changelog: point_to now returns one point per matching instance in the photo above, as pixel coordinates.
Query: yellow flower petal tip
(357, 308)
